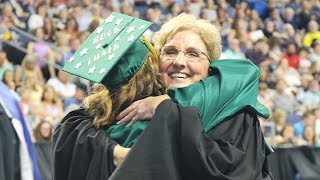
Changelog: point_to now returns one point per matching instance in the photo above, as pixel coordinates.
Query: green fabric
(126, 136)
(128, 65)
(232, 86)
(113, 52)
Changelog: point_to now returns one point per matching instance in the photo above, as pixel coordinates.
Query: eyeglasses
(192, 55)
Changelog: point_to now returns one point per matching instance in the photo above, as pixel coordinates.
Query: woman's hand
(119, 153)
(140, 110)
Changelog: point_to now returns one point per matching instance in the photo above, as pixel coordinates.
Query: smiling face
(179, 72)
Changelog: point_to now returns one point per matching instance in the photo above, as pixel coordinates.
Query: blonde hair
(279, 113)
(209, 34)
(105, 103)
(28, 59)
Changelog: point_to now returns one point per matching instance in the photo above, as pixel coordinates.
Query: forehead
(186, 39)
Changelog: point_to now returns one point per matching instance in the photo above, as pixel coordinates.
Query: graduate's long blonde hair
(105, 103)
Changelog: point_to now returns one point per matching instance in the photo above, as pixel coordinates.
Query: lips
(179, 75)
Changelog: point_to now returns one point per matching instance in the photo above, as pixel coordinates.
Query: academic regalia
(177, 144)
(174, 146)
(9, 148)
(80, 150)
(220, 138)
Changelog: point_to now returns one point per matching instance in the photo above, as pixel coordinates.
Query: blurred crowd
(281, 37)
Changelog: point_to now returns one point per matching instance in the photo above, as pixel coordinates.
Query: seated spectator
(308, 137)
(36, 20)
(95, 10)
(43, 132)
(258, 53)
(28, 66)
(312, 34)
(308, 119)
(289, 74)
(291, 55)
(46, 58)
(8, 80)
(315, 70)
(30, 81)
(280, 119)
(174, 9)
(239, 31)
(63, 15)
(265, 96)
(49, 30)
(62, 85)
(283, 98)
(287, 35)
(74, 45)
(233, 51)
(269, 29)
(4, 64)
(9, 19)
(26, 106)
(83, 16)
(287, 137)
(62, 43)
(75, 101)
(275, 18)
(288, 16)
(71, 28)
(305, 62)
(51, 108)
(315, 51)
(311, 98)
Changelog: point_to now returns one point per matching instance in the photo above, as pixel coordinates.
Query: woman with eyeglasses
(225, 141)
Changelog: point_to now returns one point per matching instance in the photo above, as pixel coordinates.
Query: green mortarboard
(113, 52)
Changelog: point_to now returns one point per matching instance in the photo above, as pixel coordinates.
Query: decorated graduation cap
(113, 52)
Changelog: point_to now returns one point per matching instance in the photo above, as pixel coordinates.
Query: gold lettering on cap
(104, 53)
(96, 57)
(95, 39)
(116, 30)
(109, 33)
(89, 61)
(116, 46)
(102, 36)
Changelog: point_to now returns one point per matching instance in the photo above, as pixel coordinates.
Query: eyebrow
(189, 48)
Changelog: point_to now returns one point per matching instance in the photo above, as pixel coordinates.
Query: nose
(180, 60)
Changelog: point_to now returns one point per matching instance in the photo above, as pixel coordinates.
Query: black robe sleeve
(80, 150)
(174, 146)
(9, 149)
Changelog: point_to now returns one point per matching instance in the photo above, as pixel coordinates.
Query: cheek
(164, 66)
(200, 69)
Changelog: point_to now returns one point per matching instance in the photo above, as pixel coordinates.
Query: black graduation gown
(9, 149)
(172, 147)
(80, 151)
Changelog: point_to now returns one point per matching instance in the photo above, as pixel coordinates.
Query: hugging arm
(142, 109)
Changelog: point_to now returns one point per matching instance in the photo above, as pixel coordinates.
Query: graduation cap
(113, 52)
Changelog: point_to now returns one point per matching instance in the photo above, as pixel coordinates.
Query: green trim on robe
(232, 86)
